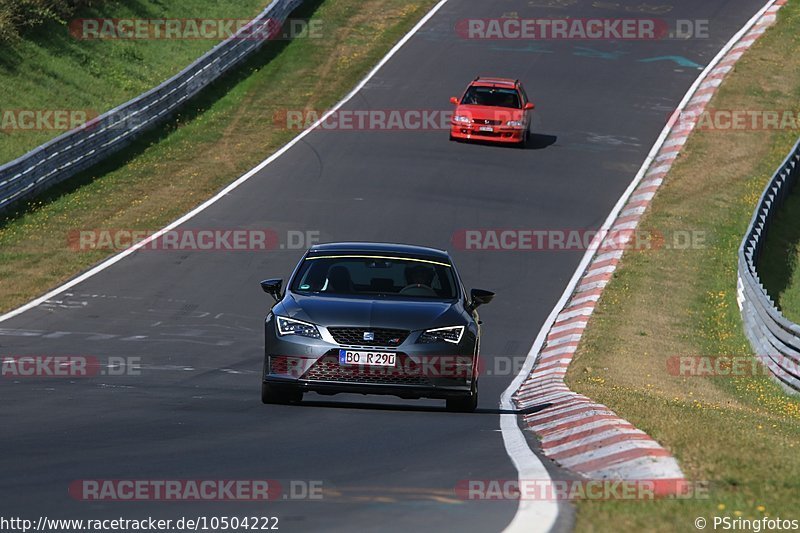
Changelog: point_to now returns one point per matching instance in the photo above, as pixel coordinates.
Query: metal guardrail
(78, 149)
(775, 339)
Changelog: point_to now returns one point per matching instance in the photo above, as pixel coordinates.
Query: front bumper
(439, 370)
(500, 134)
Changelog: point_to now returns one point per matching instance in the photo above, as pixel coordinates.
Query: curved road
(195, 318)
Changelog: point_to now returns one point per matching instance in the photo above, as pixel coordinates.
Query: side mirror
(454, 100)
(530, 105)
(479, 297)
(273, 287)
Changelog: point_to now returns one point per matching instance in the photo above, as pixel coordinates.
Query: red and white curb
(579, 434)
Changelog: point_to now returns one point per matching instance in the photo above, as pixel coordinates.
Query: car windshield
(376, 276)
(492, 96)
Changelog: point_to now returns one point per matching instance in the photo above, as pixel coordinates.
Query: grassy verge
(741, 434)
(779, 266)
(222, 134)
(51, 69)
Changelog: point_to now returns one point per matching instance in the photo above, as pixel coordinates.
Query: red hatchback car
(492, 109)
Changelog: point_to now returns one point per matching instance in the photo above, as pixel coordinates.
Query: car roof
(379, 248)
(482, 81)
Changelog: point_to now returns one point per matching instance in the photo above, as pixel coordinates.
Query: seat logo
(369, 336)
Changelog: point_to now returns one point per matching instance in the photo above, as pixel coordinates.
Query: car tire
(464, 404)
(279, 395)
(525, 138)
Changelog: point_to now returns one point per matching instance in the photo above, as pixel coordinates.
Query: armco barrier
(76, 150)
(775, 339)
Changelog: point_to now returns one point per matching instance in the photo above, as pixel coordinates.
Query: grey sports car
(373, 318)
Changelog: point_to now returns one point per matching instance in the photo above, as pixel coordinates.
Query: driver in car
(419, 279)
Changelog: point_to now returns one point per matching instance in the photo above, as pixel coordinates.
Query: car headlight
(450, 334)
(462, 119)
(514, 123)
(290, 326)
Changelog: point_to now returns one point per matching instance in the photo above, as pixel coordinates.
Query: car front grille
(486, 122)
(405, 372)
(382, 336)
(488, 134)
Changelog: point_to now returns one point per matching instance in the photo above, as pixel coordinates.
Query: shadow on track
(540, 141)
(536, 141)
(416, 408)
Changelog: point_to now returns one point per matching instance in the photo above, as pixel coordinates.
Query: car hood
(363, 312)
(489, 113)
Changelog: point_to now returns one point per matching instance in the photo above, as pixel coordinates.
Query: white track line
(532, 516)
(510, 428)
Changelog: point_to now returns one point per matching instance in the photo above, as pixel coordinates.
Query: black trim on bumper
(405, 392)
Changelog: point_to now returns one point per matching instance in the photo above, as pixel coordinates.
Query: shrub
(18, 16)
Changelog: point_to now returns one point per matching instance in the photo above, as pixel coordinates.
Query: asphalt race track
(195, 318)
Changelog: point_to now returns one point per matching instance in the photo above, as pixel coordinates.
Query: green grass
(779, 265)
(20, 17)
(51, 69)
(218, 136)
(741, 434)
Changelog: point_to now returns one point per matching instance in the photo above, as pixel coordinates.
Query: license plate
(485, 128)
(353, 357)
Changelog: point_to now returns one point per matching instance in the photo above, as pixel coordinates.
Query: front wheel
(271, 394)
(523, 143)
